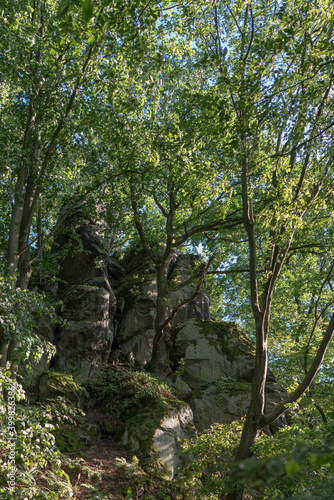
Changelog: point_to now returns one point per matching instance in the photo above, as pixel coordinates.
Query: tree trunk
(4, 346)
(254, 417)
(256, 408)
(15, 223)
(160, 361)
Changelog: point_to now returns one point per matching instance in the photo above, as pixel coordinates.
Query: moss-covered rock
(52, 384)
(206, 350)
(214, 364)
(144, 414)
(72, 438)
(154, 429)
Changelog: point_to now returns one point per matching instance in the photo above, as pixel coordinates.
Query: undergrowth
(40, 470)
(129, 387)
(29, 454)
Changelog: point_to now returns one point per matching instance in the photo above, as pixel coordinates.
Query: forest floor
(110, 478)
(106, 470)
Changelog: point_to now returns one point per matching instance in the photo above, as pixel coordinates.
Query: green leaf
(87, 10)
(62, 9)
(291, 467)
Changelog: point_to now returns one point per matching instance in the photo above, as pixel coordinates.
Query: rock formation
(108, 314)
(213, 368)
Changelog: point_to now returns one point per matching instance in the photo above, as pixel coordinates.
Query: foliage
(36, 454)
(204, 474)
(18, 312)
(207, 124)
(130, 468)
(129, 387)
(297, 459)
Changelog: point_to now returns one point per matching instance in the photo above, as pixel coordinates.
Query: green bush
(18, 312)
(128, 387)
(28, 445)
(207, 457)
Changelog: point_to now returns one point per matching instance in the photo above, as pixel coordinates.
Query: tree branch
(270, 417)
(138, 223)
(184, 302)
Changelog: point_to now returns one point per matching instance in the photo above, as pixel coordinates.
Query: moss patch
(241, 388)
(223, 385)
(53, 384)
(228, 338)
(67, 440)
(72, 438)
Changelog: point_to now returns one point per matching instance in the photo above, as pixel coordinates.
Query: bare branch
(252, 35)
(184, 302)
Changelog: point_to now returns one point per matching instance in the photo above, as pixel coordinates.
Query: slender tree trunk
(4, 346)
(256, 408)
(261, 313)
(254, 417)
(160, 361)
(15, 223)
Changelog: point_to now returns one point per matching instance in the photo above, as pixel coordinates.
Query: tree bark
(160, 360)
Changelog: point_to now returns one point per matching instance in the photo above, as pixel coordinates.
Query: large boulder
(224, 400)
(155, 430)
(85, 338)
(206, 350)
(183, 268)
(135, 283)
(213, 368)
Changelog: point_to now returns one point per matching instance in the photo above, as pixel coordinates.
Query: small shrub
(206, 460)
(28, 445)
(128, 387)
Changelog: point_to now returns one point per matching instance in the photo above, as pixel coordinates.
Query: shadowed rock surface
(108, 315)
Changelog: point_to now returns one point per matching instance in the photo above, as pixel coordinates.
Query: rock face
(214, 364)
(136, 290)
(109, 313)
(113, 305)
(80, 243)
(85, 339)
(182, 268)
(171, 430)
(135, 286)
(206, 350)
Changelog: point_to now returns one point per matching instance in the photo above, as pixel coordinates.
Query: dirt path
(105, 469)
(109, 477)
